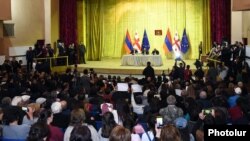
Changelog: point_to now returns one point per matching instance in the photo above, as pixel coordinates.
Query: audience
(80, 104)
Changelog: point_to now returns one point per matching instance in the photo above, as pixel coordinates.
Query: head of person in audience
(6, 101)
(11, 115)
(38, 132)
(171, 100)
(46, 116)
(108, 123)
(56, 107)
(80, 133)
(36, 108)
(182, 125)
(77, 117)
(120, 133)
(170, 133)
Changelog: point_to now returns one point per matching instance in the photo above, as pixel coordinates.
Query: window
(8, 30)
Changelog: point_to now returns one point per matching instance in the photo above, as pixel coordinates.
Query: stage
(113, 66)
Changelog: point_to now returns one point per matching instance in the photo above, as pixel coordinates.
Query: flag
(176, 46)
(168, 42)
(184, 42)
(127, 44)
(137, 44)
(145, 42)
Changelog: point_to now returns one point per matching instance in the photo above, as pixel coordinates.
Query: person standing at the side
(29, 58)
(149, 72)
(82, 51)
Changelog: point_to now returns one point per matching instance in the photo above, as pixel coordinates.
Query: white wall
(236, 26)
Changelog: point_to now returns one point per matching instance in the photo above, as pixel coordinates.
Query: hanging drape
(94, 36)
(220, 20)
(68, 21)
(107, 22)
(206, 27)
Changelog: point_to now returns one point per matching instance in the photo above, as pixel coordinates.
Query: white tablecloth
(141, 60)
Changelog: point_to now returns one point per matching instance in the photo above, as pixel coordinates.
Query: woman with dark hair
(124, 112)
(150, 135)
(108, 123)
(56, 133)
(38, 132)
(120, 133)
(80, 133)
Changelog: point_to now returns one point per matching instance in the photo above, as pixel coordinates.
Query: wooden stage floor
(113, 66)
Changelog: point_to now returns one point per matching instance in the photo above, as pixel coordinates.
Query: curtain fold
(68, 21)
(206, 27)
(220, 20)
(107, 22)
(94, 30)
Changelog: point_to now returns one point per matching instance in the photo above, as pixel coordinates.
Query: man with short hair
(29, 57)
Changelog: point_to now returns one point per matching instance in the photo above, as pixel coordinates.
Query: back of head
(80, 133)
(77, 116)
(10, 115)
(109, 123)
(170, 133)
(148, 63)
(38, 132)
(171, 100)
(120, 133)
(44, 115)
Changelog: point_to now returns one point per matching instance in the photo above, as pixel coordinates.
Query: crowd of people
(76, 55)
(84, 106)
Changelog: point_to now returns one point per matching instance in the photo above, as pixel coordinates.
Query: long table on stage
(141, 60)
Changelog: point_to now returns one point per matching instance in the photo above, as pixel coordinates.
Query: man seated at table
(155, 52)
(145, 51)
(134, 51)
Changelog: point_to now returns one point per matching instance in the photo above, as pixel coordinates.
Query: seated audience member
(80, 133)
(168, 133)
(38, 132)
(155, 52)
(120, 133)
(171, 112)
(36, 111)
(108, 123)
(182, 125)
(55, 133)
(61, 114)
(150, 134)
(11, 128)
(77, 118)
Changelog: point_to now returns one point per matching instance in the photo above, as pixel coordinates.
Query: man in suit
(29, 57)
(82, 51)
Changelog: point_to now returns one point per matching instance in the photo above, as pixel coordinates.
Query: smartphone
(207, 111)
(25, 109)
(159, 121)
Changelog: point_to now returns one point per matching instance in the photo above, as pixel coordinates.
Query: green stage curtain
(107, 22)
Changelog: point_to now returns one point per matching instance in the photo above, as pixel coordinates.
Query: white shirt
(145, 137)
